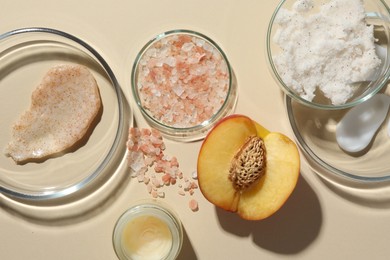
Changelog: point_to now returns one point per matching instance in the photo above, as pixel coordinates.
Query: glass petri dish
(315, 131)
(377, 15)
(25, 56)
(148, 230)
(183, 84)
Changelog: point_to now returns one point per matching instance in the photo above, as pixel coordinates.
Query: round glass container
(25, 56)
(183, 84)
(148, 230)
(378, 15)
(315, 131)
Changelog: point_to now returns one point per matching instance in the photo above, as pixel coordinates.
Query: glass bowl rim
(134, 87)
(76, 187)
(293, 95)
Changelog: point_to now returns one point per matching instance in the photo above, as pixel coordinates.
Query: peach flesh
(264, 197)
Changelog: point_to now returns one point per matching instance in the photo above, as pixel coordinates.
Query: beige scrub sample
(63, 107)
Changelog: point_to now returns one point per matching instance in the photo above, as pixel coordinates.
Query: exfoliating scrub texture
(330, 49)
(62, 109)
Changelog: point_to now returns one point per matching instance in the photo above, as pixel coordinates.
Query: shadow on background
(187, 252)
(289, 231)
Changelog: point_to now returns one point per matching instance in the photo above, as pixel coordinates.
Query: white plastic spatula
(357, 128)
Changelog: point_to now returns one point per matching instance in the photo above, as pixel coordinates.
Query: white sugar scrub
(328, 47)
(182, 80)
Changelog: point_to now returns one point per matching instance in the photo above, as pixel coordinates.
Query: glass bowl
(183, 84)
(363, 87)
(146, 228)
(25, 56)
(315, 131)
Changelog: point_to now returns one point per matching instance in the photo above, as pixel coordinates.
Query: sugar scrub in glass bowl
(330, 54)
(183, 84)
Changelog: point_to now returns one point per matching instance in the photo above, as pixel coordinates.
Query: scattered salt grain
(182, 80)
(329, 50)
(194, 175)
(145, 152)
(161, 194)
(193, 204)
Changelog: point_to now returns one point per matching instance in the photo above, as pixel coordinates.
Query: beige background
(319, 221)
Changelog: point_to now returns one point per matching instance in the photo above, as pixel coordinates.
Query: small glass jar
(148, 230)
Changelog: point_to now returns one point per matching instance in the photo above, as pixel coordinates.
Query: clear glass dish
(25, 56)
(377, 14)
(315, 129)
(155, 117)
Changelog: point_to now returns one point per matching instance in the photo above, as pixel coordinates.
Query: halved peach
(244, 168)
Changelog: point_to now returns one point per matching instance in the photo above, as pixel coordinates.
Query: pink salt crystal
(145, 151)
(180, 71)
(130, 144)
(135, 161)
(194, 185)
(135, 132)
(156, 133)
(166, 178)
(145, 131)
(154, 194)
(156, 183)
(187, 46)
(193, 204)
(187, 187)
(157, 151)
(180, 175)
(174, 162)
(171, 170)
(156, 141)
(159, 168)
(149, 161)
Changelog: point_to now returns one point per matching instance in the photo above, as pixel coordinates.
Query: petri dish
(315, 131)
(183, 84)
(26, 54)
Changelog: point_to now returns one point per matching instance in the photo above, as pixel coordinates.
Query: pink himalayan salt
(182, 80)
(193, 204)
(146, 151)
